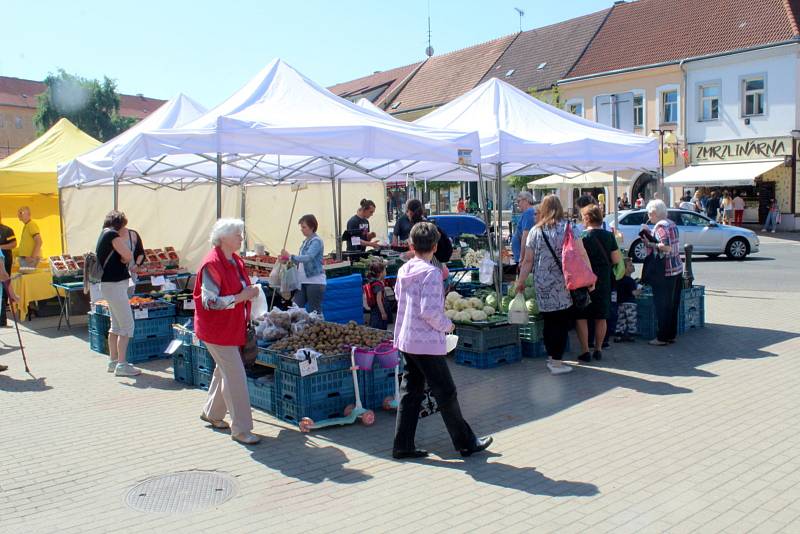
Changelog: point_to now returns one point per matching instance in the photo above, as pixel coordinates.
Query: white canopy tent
(590, 179)
(722, 174)
(522, 135)
(279, 128)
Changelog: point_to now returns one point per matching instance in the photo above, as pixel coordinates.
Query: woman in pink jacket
(419, 333)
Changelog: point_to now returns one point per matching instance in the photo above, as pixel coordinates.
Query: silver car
(707, 236)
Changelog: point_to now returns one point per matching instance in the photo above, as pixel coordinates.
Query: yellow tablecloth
(32, 287)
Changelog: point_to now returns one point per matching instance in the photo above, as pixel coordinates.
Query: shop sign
(773, 147)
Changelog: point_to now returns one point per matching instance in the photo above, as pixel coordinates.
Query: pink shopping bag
(575, 263)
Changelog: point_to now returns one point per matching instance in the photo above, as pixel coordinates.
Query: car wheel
(737, 249)
(638, 251)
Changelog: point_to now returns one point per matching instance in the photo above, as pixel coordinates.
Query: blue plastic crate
(325, 364)
(165, 309)
(99, 323)
(202, 379)
(98, 341)
(316, 387)
(262, 394)
(293, 412)
(533, 349)
(532, 331)
(181, 333)
(150, 328)
(490, 358)
(147, 349)
(182, 369)
(480, 338)
(202, 360)
(268, 357)
(383, 386)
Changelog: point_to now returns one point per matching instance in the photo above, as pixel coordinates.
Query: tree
(90, 105)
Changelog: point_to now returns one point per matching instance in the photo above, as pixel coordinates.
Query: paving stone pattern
(699, 436)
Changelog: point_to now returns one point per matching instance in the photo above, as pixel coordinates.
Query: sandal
(221, 423)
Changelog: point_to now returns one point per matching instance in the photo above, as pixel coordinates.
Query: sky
(209, 49)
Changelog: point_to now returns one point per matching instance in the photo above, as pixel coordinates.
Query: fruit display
(142, 303)
(331, 338)
(66, 265)
(160, 262)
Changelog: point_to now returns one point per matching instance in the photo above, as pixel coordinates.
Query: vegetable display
(331, 338)
(468, 310)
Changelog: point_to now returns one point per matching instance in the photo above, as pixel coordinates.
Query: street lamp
(669, 137)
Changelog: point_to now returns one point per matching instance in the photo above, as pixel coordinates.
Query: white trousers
(227, 392)
(116, 294)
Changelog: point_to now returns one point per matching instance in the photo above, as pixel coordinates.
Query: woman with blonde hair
(543, 258)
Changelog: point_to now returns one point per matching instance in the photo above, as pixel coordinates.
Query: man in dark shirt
(402, 229)
(8, 242)
(712, 206)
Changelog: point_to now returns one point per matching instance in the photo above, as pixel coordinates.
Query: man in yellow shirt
(29, 251)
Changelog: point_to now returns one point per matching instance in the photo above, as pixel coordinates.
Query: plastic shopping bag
(289, 282)
(258, 306)
(575, 263)
(486, 270)
(276, 275)
(517, 310)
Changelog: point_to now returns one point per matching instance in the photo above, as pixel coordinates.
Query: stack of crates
(182, 359)
(152, 332)
(531, 338)
(691, 313)
(487, 346)
(378, 384)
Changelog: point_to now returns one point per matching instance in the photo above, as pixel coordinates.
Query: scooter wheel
(349, 409)
(368, 418)
(387, 403)
(305, 424)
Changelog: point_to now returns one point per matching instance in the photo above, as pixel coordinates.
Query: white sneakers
(126, 369)
(558, 369)
(112, 365)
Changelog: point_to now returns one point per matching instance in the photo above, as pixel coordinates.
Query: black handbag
(580, 297)
(654, 267)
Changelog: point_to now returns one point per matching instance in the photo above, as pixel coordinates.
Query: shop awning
(722, 174)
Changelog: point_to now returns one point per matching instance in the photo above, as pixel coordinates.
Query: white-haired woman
(664, 242)
(222, 295)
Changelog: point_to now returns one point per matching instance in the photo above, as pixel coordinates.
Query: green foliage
(551, 96)
(519, 183)
(90, 105)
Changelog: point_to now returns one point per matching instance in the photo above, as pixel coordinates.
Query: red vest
(221, 327)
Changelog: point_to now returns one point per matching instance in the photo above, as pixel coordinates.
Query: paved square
(699, 436)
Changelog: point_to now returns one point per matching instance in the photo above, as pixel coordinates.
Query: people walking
(543, 258)
(738, 209)
(419, 334)
(773, 217)
(222, 296)
(713, 206)
(727, 208)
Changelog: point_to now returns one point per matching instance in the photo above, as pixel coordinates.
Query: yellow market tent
(28, 178)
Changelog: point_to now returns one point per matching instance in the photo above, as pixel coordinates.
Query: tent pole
(338, 198)
(616, 204)
(116, 191)
(243, 211)
(499, 207)
(498, 283)
(219, 185)
(338, 235)
(61, 223)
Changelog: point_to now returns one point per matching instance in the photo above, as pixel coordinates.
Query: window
(709, 102)
(575, 107)
(510, 72)
(541, 65)
(669, 107)
(689, 219)
(638, 111)
(634, 219)
(18, 122)
(753, 92)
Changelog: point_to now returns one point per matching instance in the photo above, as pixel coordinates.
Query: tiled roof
(446, 77)
(23, 93)
(555, 48)
(648, 32)
(383, 83)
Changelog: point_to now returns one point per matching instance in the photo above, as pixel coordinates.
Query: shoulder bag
(617, 269)
(653, 268)
(580, 297)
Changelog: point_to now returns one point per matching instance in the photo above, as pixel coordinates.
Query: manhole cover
(184, 492)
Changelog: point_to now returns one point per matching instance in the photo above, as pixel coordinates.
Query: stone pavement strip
(699, 436)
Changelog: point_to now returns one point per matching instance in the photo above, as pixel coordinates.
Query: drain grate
(182, 492)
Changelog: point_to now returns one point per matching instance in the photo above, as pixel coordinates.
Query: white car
(706, 236)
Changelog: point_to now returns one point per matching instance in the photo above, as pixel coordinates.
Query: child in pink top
(419, 333)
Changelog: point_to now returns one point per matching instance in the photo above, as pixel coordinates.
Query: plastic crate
(98, 341)
(491, 358)
(147, 349)
(182, 369)
(202, 379)
(336, 272)
(182, 333)
(480, 338)
(533, 331)
(202, 360)
(262, 394)
(268, 357)
(165, 309)
(325, 364)
(315, 387)
(533, 349)
(99, 323)
(377, 384)
(150, 328)
(293, 412)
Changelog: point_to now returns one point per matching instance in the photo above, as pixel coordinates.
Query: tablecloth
(32, 287)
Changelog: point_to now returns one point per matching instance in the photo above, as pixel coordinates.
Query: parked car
(707, 236)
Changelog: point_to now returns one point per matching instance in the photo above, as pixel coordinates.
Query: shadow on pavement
(12, 385)
(295, 456)
(700, 347)
(526, 479)
(148, 380)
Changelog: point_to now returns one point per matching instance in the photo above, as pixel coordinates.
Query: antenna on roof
(429, 49)
(521, 14)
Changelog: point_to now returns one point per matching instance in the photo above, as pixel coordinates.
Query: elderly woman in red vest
(222, 295)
